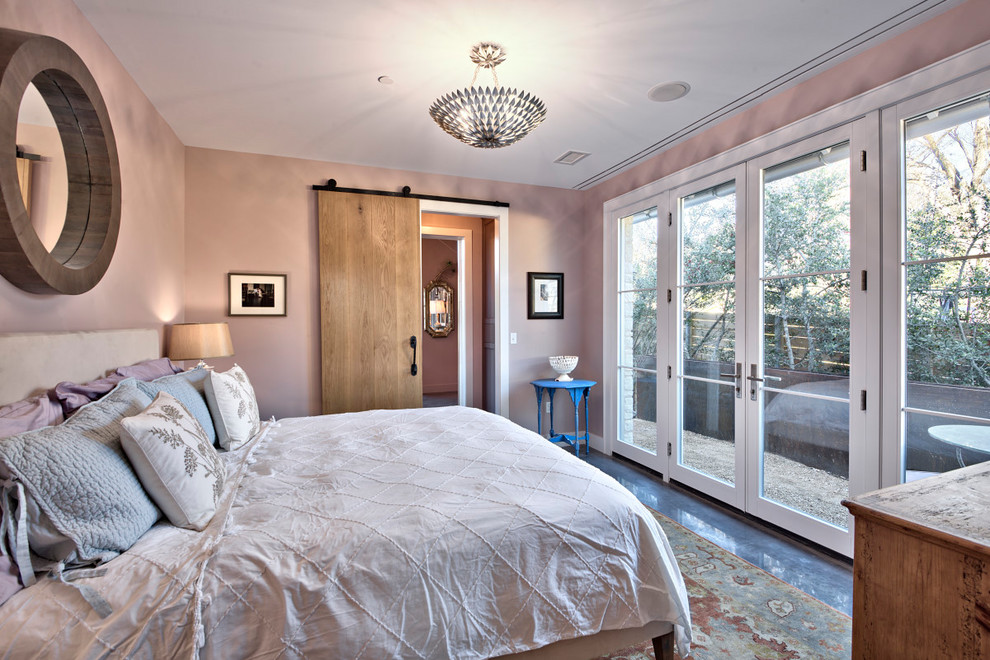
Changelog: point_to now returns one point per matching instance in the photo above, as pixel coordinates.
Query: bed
(398, 533)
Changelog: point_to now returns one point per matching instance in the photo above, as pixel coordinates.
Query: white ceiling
(299, 77)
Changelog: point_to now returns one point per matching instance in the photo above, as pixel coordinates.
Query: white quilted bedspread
(435, 533)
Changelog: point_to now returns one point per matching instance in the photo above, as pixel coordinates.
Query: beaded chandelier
(484, 117)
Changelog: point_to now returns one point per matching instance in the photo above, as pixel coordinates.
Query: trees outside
(806, 239)
(806, 282)
(708, 255)
(806, 314)
(947, 204)
(640, 275)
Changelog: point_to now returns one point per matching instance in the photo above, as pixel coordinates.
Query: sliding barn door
(370, 301)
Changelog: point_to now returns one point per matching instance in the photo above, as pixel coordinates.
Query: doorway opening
(461, 367)
(443, 352)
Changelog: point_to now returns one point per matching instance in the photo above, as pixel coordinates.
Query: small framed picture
(255, 294)
(545, 294)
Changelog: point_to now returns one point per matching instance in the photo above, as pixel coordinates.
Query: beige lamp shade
(198, 341)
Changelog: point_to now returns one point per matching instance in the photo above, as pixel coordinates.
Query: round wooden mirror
(85, 246)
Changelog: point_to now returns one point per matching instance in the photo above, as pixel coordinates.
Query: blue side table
(578, 389)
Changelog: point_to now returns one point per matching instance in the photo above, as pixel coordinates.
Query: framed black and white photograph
(545, 295)
(255, 294)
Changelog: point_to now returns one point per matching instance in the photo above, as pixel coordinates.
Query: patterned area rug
(740, 612)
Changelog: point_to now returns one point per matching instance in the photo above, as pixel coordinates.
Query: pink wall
(248, 212)
(439, 362)
(191, 215)
(144, 284)
(947, 34)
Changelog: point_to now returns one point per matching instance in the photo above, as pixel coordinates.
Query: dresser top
(952, 505)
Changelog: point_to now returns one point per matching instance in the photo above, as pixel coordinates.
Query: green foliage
(640, 279)
(806, 237)
(806, 231)
(948, 217)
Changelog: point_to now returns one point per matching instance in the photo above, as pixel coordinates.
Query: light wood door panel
(370, 301)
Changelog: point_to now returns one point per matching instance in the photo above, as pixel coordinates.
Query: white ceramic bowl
(563, 365)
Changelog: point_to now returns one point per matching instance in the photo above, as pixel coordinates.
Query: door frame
(501, 216)
(735, 493)
(466, 340)
(611, 302)
(862, 135)
(894, 347)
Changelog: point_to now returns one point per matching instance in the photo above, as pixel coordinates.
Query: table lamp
(199, 341)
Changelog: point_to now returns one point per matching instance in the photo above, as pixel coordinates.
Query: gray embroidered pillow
(189, 388)
(234, 407)
(175, 461)
(85, 504)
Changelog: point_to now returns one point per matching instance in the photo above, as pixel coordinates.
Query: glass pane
(708, 235)
(638, 247)
(947, 186)
(709, 324)
(638, 329)
(806, 214)
(947, 305)
(948, 323)
(806, 446)
(806, 324)
(708, 327)
(708, 423)
(638, 408)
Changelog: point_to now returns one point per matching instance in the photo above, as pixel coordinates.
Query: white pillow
(175, 461)
(233, 406)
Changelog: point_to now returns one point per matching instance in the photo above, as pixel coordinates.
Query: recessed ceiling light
(571, 157)
(670, 91)
(385, 80)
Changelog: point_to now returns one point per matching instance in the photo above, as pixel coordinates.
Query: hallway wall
(439, 361)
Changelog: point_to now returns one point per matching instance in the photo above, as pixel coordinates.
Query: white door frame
(501, 216)
(673, 315)
(610, 351)
(466, 341)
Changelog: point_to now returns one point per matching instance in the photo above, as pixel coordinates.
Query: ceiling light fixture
(485, 117)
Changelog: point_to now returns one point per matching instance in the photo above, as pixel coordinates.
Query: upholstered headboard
(36, 361)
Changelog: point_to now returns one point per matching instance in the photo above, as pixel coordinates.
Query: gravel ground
(788, 482)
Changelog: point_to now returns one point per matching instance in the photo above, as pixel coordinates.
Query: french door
(706, 323)
(761, 310)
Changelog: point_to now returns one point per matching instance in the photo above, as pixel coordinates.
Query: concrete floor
(827, 578)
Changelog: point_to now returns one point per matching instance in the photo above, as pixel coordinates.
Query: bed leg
(663, 646)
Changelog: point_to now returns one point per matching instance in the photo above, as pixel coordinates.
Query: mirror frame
(88, 240)
(438, 284)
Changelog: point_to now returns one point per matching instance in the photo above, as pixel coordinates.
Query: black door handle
(412, 342)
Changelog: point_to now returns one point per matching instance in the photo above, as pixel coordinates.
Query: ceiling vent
(572, 157)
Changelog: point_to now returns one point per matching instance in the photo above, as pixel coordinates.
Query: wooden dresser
(922, 568)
